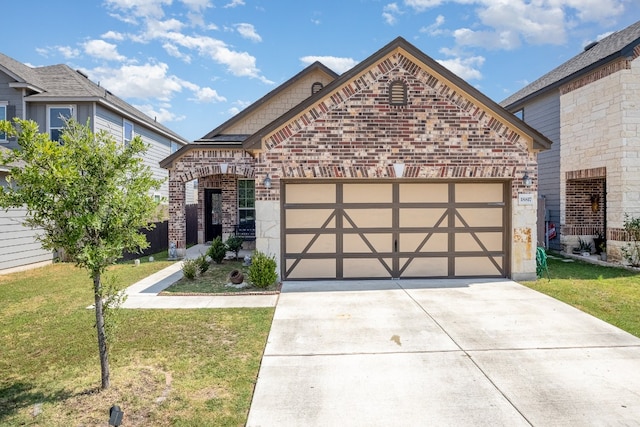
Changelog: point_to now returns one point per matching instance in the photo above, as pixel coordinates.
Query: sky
(193, 64)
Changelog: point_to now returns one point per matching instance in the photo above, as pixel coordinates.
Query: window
(246, 201)
(397, 93)
(316, 87)
(3, 116)
(127, 132)
(174, 147)
(57, 116)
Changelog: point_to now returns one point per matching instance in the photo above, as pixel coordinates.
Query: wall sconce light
(224, 167)
(398, 168)
(595, 203)
(526, 180)
(267, 182)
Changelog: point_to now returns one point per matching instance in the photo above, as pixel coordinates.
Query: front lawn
(609, 293)
(168, 367)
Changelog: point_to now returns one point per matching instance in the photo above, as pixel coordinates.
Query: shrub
(234, 243)
(262, 272)
(218, 250)
(631, 251)
(203, 264)
(190, 268)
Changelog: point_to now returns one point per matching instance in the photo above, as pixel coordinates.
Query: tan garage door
(393, 229)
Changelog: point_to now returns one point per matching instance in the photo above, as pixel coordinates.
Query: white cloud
(68, 52)
(141, 8)
(207, 95)
(148, 81)
(248, 31)
(390, 13)
(197, 5)
(604, 35)
(103, 50)
(434, 29)
(173, 50)
(113, 35)
(339, 65)
(465, 68)
(422, 5)
(162, 114)
(234, 3)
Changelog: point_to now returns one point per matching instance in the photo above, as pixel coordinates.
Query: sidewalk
(144, 294)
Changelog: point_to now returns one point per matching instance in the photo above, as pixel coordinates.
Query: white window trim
(50, 106)
(124, 131)
(4, 104)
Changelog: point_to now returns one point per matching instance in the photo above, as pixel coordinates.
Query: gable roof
(617, 45)
(217, 132)
(540, 142)
(59, 83)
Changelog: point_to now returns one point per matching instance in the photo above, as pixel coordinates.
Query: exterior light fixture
(224, 167)
(526, 180)
(267, 182)
(398, 168)
(115, 416)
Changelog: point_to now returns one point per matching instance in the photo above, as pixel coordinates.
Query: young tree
(89, 194)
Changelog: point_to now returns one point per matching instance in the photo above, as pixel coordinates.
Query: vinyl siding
(543, 114)
(18, 244)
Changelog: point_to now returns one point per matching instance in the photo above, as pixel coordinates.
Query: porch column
(177, 217)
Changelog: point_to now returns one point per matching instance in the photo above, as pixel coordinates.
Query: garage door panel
(479, 266)
(367, 243)
(490, 242)
(435, 242)
(479, 193)
(368, 218)
(424, 193)
(323, 243)
(310, 193)
(423, 217)
(425, 267)
(312, 268)
(479, 217)
(310, 218)
(362, 193)
(367, 267)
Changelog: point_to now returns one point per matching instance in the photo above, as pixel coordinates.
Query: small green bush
(190, 268)
(262, 271)
(234, 243)
(631, 251)
(203, 264)
(218, 250)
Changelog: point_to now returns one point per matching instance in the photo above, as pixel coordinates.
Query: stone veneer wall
(355, 133)
(600, 128)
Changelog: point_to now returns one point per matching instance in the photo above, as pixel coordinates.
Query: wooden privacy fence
(158, 239)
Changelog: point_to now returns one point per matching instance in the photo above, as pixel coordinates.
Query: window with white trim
(127, 132)
(57, 116)
(246, 201)
(174, 147)
(3, 116)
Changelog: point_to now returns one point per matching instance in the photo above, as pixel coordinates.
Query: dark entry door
(212, 213)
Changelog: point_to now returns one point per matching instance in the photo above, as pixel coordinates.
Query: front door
(212, 213)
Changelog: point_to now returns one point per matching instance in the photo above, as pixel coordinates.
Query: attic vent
(397, 93)
(316, 87)
(590, 46)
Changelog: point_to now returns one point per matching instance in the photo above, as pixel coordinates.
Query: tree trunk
(102, 338)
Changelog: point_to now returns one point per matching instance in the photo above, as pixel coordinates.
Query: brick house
(395, 169)
(588, 107)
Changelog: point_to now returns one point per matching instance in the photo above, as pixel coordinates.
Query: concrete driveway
(441, 353)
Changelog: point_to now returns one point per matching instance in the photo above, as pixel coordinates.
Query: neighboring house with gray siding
(588, 107)
(44, 94)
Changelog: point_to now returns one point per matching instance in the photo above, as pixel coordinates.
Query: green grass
(168, 367)
(609, 293)
(215, 280)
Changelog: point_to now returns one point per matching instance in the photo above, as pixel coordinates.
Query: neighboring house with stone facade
(45, 95)
(590, 108)
(395, 169)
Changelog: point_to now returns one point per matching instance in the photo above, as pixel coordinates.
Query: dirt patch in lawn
(216, 281)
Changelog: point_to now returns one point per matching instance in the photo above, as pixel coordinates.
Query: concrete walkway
(144, 294)
(441, 353)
